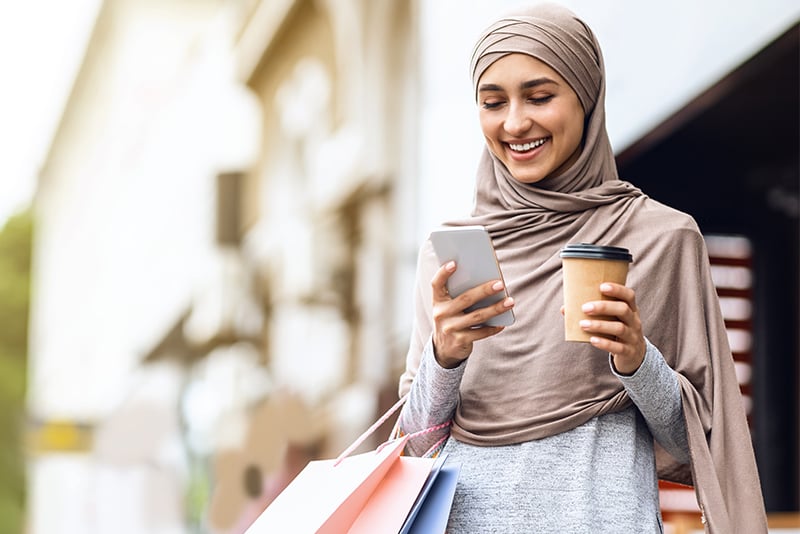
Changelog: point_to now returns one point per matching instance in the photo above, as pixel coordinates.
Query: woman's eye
(541, 99)
(493, 104)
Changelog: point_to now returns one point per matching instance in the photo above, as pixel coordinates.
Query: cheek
(578, 121)
(553, 120)
(577, 132)
(569, 125)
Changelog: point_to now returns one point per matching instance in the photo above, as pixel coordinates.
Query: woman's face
(531, 118)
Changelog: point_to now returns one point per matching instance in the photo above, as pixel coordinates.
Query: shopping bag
(431, 516)
(369, 493)
(423, 494)
(389, 505)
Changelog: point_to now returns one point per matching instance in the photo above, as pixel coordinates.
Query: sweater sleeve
(654, 390)
(432, 400)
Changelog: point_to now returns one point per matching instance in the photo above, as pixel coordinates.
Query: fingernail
(497, 286)
(605, 287)
(585, 323)
(508, 302)
(450, 265)
(587, 307)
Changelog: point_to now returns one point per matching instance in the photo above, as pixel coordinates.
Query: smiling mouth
(525, 147)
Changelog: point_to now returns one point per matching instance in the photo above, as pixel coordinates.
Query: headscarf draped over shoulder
(527, 382)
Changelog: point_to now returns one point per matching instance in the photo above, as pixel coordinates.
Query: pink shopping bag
(369, 493)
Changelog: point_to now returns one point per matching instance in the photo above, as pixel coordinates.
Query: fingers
(617, 326)
(455, 330)
(472, 296)
(439, 281)
(622, 308)
(454, 336)
(619, 292)
(468, 298)
(453, 310)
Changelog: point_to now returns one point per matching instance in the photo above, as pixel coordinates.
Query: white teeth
(527, 146)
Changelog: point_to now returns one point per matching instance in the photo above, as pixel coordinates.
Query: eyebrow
(524, 85)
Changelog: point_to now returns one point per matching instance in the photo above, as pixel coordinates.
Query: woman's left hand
(627, 346)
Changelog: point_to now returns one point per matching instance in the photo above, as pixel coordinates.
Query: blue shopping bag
(432, 509)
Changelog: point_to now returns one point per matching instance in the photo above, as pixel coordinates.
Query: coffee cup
(585, 267)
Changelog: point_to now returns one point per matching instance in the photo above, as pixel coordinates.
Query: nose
(517, 121)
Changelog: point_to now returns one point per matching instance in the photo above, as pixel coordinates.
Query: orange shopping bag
(369, 493)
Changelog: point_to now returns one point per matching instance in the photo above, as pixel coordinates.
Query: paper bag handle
(382, 420)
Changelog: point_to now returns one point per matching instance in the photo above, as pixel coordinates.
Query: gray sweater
(596, 478)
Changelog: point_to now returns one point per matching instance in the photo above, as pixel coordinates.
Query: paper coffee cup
(585, 267)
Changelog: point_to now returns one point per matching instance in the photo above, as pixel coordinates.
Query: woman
(555, 436)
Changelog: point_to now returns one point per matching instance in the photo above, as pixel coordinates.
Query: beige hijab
(527, 382)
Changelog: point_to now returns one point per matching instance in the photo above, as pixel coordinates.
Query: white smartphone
(476, 263)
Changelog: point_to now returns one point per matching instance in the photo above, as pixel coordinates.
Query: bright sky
(41, 45)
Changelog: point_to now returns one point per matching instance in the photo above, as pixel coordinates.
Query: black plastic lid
(596, 252)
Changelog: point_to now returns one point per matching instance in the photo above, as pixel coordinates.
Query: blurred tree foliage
(15, 269)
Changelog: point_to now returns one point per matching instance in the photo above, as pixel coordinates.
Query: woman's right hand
(454, 331)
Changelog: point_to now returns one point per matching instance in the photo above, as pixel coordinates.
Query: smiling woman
(556, 435)
(531, 118)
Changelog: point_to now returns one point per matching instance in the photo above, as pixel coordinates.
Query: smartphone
(476, 262)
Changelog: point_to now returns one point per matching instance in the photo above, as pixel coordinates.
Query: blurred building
(229, 214)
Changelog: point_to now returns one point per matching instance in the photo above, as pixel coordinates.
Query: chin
(527, 178)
